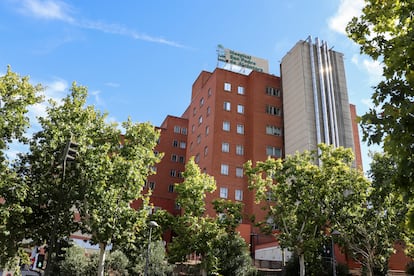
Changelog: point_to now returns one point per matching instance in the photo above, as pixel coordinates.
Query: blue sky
(139, 59)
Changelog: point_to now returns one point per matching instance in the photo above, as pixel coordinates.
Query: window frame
(239, 172)
(225, 147)
(273, 150)
(226, 126)
(224, 192)
(240, 150)
(273, 110)
(273, 130)
(241, 90)
(238, 195)
(240, 129)
(227, 106)
(224, 169)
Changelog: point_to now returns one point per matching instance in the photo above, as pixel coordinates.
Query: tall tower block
(315, 98)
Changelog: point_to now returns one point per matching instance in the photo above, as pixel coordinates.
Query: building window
(201, 102)
(226, 126)
(240, 90)
(191, 146)
(181, 159)
(171, 188)
(271, 222)
(192, 128)
(273, 110)
(210, 92)
(240, 108)
(177, 129)
(273, 91)
(240, 129)
(225, 147)
(151, 185)
(273, 130)
(205, 151)
(269, 196)
(227, 86)
(184, 131)
(208, 110)
(175, 143)
(238, 195)
(273, 151)
(239, 172)
(227, 106)
(207, 130)
(239, 150)
(183, 145)
(197, 158)
(174, 158)
(173, 173)
(194, 111)
(224, 169)
(200, 119)
(199, 139)
(224, 192)
(221, 217)
(153, 169)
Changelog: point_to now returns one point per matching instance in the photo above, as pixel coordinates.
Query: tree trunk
(302, 264)
(369, 270)
(101, 263)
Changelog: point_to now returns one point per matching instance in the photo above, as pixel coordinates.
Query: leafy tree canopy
(385, 32)
(371, 237)
(306, 199)
(16, 95)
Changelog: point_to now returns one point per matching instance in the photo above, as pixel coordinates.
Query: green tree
(194, 230)
(308, 199)
(117, 263)
(385, 32)
(75, 262)
(158, 264)
(233, 255)
(114, 176)
(16, 95)
(108, 173)
(215, 239)
(55, 185)
(230, 248)
(379, 224)
(136, 251)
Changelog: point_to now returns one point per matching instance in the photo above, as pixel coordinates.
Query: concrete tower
(315, 98)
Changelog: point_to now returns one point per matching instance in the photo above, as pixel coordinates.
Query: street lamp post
(334, 233)
(151, 224)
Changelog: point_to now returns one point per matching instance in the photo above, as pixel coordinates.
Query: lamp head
(153, 224)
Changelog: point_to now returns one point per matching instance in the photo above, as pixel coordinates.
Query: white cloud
(355, 59)
(98, 99)
(367, 102)
(49, 9)
(112, 84)
(55, 90)
(59, 10)
(372, 68)
(124, 31)
(346, 11)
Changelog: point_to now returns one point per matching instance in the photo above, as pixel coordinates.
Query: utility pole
(69, 155)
